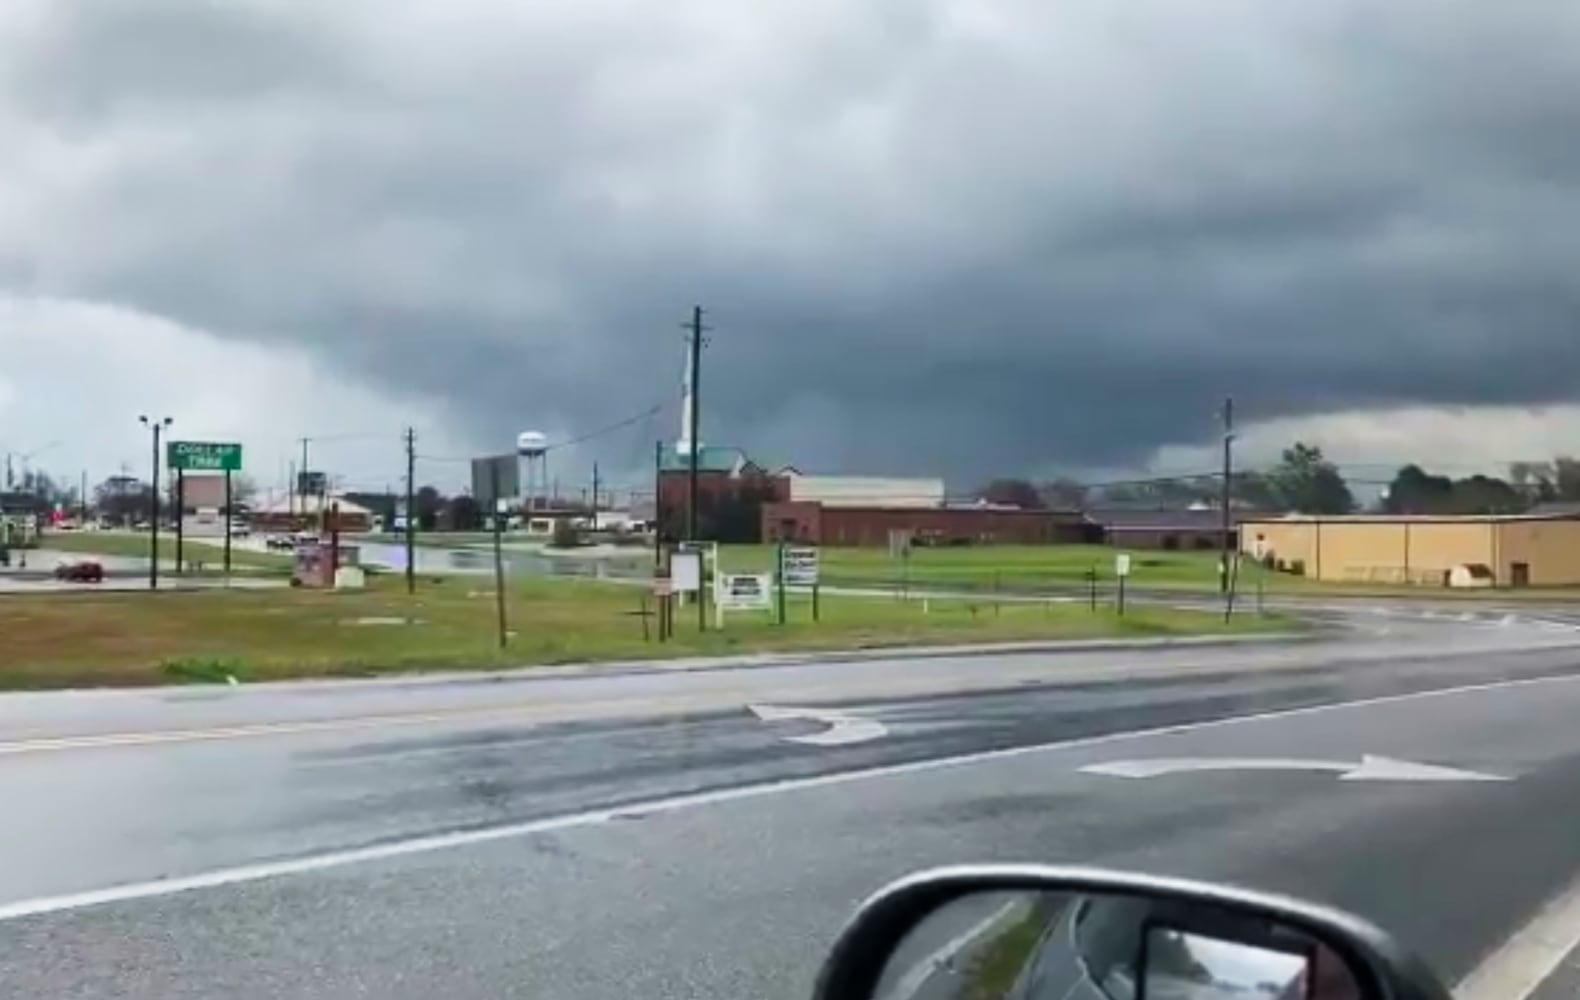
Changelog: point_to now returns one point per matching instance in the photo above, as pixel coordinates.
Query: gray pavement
(642, 833)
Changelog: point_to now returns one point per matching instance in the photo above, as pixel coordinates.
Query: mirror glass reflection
(1057, 946)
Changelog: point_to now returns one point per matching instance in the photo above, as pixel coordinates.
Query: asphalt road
(644, 833)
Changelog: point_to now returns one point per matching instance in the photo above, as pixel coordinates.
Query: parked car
(86, 571)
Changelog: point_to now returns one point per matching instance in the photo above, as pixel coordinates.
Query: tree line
(1305, 481)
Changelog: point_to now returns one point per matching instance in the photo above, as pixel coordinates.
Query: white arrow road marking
(843, 727)
(1370, 768)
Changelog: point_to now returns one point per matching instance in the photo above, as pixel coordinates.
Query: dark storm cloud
(966, 237)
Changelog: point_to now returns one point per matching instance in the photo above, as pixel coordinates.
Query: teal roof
(712, 458)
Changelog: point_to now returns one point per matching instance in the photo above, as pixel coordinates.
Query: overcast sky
(934, 236)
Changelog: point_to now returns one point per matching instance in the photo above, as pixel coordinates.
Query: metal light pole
(158, 427)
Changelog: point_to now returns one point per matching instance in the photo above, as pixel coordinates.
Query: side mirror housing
(1025, 932)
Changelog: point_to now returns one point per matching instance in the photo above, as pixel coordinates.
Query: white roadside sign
(744, 591)
(685, 572)
(800, 567)
(1122, 564)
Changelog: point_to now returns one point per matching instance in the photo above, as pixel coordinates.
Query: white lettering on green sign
(204, 456)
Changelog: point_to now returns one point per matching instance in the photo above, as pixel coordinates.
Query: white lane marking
(1370, 768)
(843, 727)
(1519, 966)
(437, 842)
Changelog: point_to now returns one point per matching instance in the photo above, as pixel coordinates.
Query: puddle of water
(480, 562)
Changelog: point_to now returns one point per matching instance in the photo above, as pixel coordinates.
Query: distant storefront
(814, 523)
(1523, 550)
(312, 514)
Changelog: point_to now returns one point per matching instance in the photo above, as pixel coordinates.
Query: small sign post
(1122, 571)
(800, 568)
(741, 592)
(1260, 549)
(783, 584)
(700, 552)
(663, 591)
(685, 572)
(900, 541)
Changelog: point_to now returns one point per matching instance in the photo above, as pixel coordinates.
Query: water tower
(533, 447)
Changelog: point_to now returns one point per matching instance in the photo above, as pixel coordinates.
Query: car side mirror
(1032, 932)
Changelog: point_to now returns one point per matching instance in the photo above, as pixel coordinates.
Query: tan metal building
(1520, 550)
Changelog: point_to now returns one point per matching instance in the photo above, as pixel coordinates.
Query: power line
(633, 419)
(646, 414)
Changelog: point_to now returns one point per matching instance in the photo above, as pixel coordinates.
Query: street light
(158, 427)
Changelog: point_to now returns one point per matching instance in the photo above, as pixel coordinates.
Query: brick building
(813, 522)
(731, 489)
(741, 501)
(1185, 529)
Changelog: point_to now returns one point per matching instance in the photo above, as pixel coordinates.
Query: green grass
(997, 967)
(210, 552)
(140, 638)
(1011, 567)
(1063, 568)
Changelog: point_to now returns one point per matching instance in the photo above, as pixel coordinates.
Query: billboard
(312, 483)
(495, 478)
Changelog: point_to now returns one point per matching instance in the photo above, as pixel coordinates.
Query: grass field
(1063, 568)
(1012, 567)
(139, 638)
(209, 552)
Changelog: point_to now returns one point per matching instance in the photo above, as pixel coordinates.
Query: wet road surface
(646, 833)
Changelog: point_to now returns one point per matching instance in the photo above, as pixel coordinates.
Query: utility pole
(300, 486)
(1228, 473)
(157, 426)
(595, 497)
(695, 418)
(411, 510)
(181, 509)
(82, 500)
(658, 507)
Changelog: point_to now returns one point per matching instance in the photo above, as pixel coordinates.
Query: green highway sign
(203, 456)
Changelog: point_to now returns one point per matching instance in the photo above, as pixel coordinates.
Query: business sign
(311, 484)
(495, 478)
(743, 591)
(203, 456)
(800, 567)
(1122, 564)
